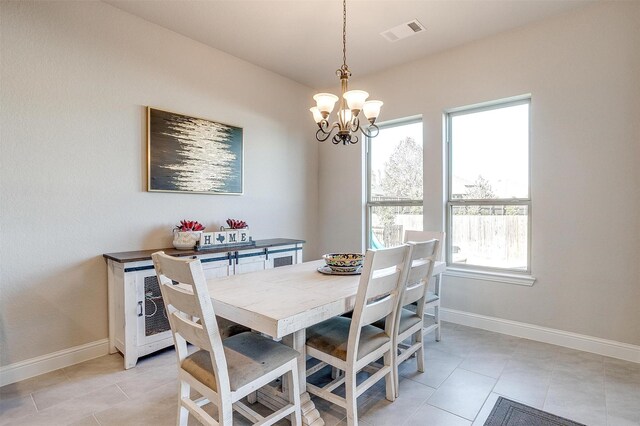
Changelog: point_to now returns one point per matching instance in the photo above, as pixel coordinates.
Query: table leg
(274, 398)
(297, 341)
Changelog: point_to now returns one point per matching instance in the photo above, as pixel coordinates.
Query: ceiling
(302, 39)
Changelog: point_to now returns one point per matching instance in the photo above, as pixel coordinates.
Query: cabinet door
(249, 261)
(152, 321)
(217, 267)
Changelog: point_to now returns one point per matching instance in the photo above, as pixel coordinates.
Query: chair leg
(420, 352)
(436, 312)
(225, 413)
(293, 391)
(395, 374)
(391, 379)
(184, 391)
(335, 373)
(350, 397)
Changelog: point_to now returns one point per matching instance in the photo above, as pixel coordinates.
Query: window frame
(369, 204)
(464, 268)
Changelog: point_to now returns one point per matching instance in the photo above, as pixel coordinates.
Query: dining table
(281, 303)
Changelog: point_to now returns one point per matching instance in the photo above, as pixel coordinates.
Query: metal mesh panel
(155, 320)
(282, 261)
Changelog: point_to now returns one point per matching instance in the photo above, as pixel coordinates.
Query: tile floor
(466, 372)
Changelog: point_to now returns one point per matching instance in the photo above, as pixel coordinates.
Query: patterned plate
(328, 271)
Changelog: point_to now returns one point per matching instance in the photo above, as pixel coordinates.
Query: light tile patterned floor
(466, 372)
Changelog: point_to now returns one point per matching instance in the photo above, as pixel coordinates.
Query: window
(394, 183)
(489, 206)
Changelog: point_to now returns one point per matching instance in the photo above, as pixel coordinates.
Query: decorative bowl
(343, 262)
(344, 269)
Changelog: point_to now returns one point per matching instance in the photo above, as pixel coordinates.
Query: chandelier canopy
(352, 102)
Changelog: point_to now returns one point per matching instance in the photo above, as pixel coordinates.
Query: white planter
(186, 240)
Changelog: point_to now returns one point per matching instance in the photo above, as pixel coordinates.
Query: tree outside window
(395, 164)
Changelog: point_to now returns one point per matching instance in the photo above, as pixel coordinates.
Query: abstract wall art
(188, 154)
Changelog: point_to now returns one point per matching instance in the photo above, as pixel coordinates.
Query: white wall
(583, 72)
(75, 78)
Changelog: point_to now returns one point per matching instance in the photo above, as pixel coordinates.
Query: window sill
(501, 277)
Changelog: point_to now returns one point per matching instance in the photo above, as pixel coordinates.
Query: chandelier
(351, 103)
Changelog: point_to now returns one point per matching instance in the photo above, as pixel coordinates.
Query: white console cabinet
(138, 323)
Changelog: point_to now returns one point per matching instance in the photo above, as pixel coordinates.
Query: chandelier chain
(344, 33)
(351, 103)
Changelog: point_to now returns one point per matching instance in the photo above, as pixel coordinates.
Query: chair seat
(249, 357)
(407, 320)
(331, 337)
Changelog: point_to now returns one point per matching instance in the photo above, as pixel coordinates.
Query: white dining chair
(351, 344)
(432, 300)
(221, 372)
(410, 322)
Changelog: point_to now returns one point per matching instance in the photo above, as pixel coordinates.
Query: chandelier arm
(324, 133)
(371, 131)
(355, 124)
(324, 126)
(322, 136)
(345, 138)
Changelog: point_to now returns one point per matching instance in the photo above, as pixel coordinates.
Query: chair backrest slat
(418, 236)
(381, 284)
(177, 270)
(186, 301)
(418, 271)
(181, 297)
(423, 258)
(413, 294)
(190, 331)
(392, 258)
(378, 309)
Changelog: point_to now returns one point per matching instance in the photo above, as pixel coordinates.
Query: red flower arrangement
(189, 225)
(236, 224)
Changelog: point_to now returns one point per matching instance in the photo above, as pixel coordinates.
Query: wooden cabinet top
(140, 255)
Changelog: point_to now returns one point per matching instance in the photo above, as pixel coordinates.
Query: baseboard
(567, 339)
(43, 364)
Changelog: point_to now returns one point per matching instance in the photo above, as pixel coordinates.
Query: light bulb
(345, 116)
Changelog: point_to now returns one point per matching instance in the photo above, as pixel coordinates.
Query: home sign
(225, 237)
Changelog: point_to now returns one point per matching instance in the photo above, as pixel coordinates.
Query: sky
(493, 144)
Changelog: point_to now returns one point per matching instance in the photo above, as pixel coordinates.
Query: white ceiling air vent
(403, 30)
